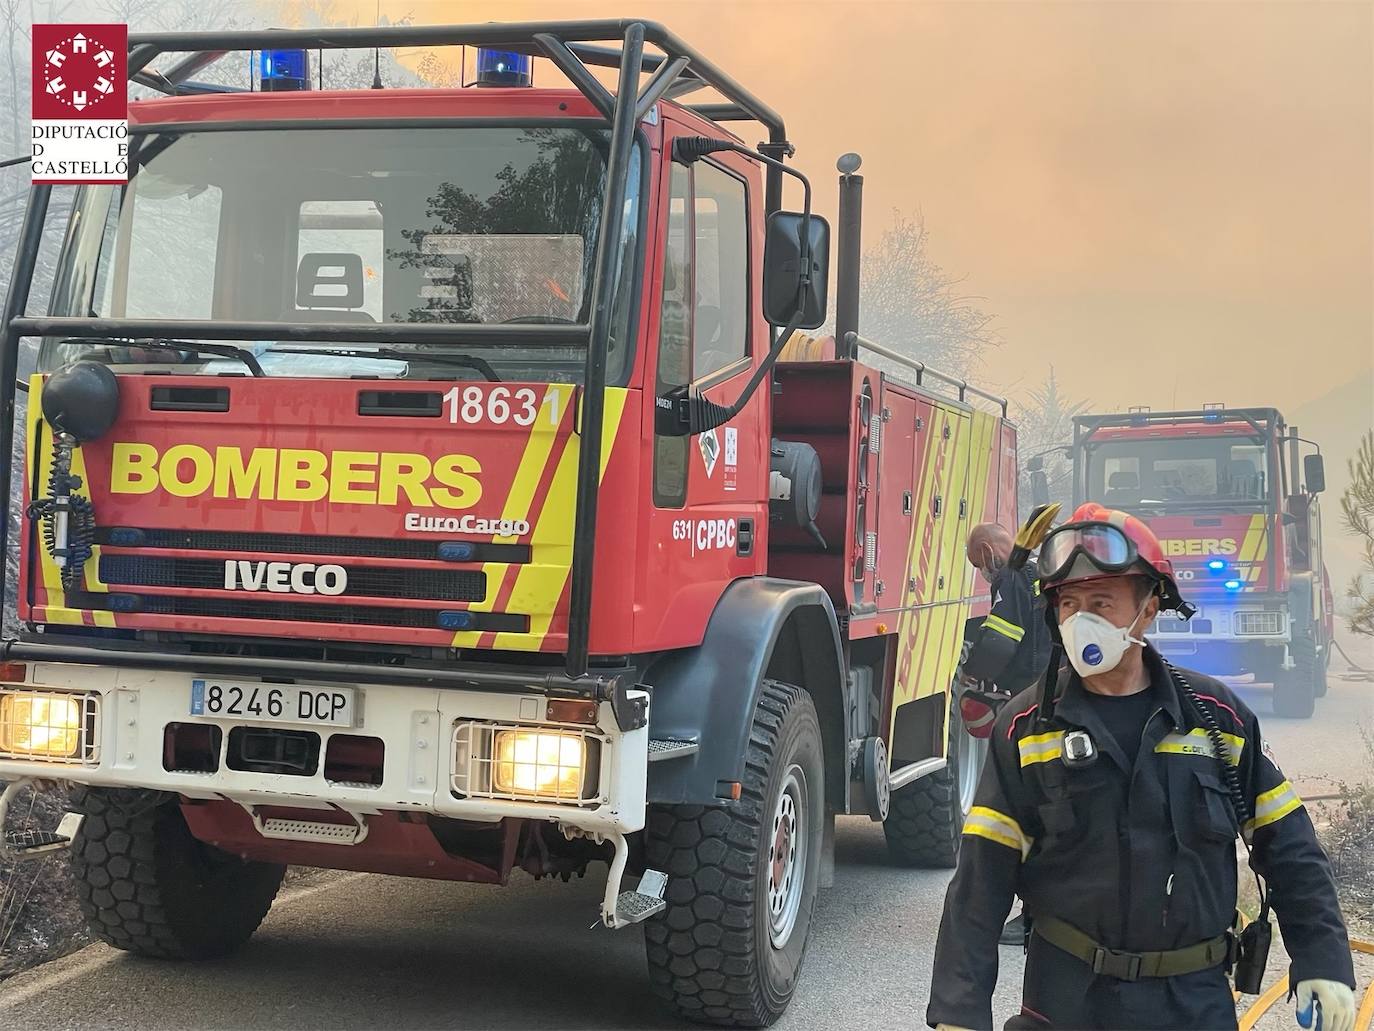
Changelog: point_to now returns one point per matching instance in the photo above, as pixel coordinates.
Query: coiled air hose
(68, 519)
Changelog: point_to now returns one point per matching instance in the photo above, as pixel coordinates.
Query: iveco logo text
(284, 577)
(466, 524)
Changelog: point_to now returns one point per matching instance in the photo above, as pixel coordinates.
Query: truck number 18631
(495, 406)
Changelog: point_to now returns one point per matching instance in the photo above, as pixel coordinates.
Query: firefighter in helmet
(1111, 801)
(1006, 651)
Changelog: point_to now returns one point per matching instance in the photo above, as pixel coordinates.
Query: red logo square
(80, 72)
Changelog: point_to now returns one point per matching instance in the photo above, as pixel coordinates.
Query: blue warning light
(284, 70)
(503, 68)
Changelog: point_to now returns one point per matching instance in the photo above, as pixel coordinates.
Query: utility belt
(1132, 966)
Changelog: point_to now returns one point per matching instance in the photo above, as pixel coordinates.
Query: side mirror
(1036, 464)
(1314, 472)
(1040, 487)
(782, 269)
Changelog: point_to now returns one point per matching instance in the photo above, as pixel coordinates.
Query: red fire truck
(1234, 501)
(412, 486)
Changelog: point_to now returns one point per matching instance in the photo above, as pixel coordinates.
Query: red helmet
(1099, 542)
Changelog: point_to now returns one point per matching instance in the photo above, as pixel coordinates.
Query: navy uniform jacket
(1012, 646)
(1138, 852)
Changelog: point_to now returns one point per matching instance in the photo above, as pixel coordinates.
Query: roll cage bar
(572, 47)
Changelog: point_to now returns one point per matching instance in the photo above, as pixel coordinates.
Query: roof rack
(923, 371)
(572, 47)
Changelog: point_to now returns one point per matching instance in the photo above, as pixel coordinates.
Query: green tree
(1357, 514)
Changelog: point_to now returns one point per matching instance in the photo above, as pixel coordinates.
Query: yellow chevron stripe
(914, 624)
(39, 438)
(533, 461)
(1254, 534)
(538, 588)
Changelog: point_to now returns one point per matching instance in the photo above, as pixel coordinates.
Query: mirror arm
(693, 413)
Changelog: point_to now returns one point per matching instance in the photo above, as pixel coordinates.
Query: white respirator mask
(1094, 645)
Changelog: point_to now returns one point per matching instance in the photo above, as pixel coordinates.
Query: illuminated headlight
(539, 762)
(46, 725)
(526, 763)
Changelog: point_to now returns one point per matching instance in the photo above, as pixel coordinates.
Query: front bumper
(417, 725)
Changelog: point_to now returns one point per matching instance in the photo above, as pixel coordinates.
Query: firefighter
(1010, 647)
(1106, 806)
(1007, 650)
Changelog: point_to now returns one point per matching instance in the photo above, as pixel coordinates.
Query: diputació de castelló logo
(80, 103)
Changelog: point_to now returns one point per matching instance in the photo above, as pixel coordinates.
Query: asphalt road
(368, 952)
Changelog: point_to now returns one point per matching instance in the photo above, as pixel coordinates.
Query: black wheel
(926, 820)
(148, 887)
(742, 881)
(1295, 690)
(1323, 668)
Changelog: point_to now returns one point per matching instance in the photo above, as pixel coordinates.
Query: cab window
(674, 340)
(720, 333)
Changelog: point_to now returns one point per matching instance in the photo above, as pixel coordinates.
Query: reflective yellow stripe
(1273, 806)
(1004, 628)
(988, 823)
(1197, 742)
(1041, 748)
(1035, 588)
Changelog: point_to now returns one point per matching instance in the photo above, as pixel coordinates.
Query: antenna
(377, 53)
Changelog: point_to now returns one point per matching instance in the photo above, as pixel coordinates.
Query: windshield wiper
(463, 361)
(218, 350)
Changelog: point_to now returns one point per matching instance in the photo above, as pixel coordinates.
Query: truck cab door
(708, 492)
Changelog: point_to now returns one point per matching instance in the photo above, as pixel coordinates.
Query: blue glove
(1325, 1005)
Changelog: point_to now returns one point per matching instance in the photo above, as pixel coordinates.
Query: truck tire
(728, 948)
(1295, 690)
(925, 821)
(148, 887)
(1323, 670)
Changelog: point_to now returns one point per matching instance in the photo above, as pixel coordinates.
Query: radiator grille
(304, 544)
(208, 574)
(307, 612)
(1252, 623)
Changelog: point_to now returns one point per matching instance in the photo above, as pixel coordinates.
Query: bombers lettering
(1199, 546)
(467, 524)
(297, 474)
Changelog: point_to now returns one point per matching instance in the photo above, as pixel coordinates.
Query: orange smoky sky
(1169, 203)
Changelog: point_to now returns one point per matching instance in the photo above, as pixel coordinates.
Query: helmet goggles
(1104, 545)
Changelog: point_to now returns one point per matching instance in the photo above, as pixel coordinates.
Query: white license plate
(274, 703)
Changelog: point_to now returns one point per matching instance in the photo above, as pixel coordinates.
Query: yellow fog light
(539, 763)
(40, 724)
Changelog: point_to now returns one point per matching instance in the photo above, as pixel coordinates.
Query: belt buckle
(1101, 956)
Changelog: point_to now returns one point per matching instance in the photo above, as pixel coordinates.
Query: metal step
(314, 831)
(661, 748)
(21, 845)
(632, 907)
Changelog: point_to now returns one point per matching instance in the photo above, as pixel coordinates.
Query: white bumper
(417, 726)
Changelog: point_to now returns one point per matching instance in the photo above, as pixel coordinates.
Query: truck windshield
(1178, 472)
(475, 224)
